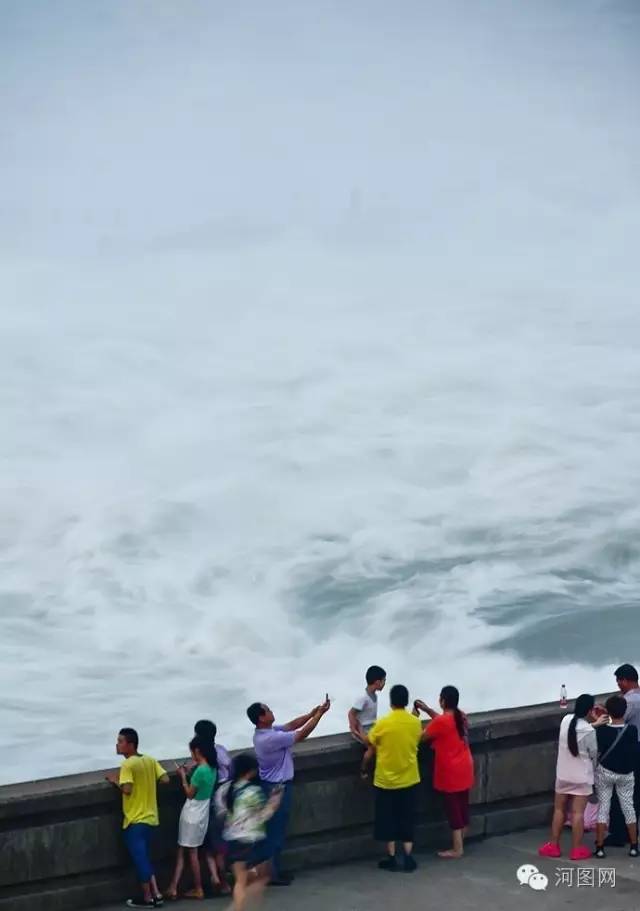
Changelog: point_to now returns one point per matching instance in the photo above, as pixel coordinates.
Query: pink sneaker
(580, 853)
(550, 850)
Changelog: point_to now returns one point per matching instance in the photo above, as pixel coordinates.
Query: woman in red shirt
(453, 768)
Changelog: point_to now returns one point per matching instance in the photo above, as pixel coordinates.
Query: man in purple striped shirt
(273, 744)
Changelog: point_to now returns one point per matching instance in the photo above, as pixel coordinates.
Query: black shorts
(395, 813)
(249, 853)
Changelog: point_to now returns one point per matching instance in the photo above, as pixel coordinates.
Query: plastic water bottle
(563, 697)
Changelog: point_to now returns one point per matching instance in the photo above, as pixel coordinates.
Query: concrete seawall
(60, 839)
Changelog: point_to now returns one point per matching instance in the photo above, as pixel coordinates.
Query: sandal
(171, 896)
(194, 893)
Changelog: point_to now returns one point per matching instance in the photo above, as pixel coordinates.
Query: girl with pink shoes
(577, 758)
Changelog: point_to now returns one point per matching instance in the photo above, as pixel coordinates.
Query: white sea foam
(321, 350)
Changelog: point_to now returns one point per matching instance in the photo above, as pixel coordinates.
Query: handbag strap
(615, 743)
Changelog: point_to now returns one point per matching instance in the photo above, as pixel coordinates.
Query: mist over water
(319, 338)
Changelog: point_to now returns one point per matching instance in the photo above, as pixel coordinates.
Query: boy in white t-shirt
(364, 709)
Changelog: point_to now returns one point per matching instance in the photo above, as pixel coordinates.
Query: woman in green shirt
(194, 818)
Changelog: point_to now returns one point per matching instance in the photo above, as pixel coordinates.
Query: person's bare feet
(450, 854)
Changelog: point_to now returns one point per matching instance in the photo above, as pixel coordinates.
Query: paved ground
(484, 879)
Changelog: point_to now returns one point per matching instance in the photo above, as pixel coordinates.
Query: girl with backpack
(244, 809)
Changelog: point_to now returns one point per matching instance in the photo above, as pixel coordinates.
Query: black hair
(255, 712)
(584, 704)
(206, 729)
(130, 735)
(450, 698)
(242, 765)
(399, 696)
(616, 706)
(206, 748)
(626, 672)
(375, 672)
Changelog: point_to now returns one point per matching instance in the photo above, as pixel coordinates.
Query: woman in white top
(577, 757)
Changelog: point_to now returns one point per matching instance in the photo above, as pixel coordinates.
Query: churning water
(319, 347)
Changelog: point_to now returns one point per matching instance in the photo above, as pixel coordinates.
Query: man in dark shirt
(618, 758)
(627, 680)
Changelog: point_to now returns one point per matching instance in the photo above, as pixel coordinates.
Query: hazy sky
(190, 124)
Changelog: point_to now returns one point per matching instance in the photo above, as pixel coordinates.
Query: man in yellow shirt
(394, 741)
(137, 781)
